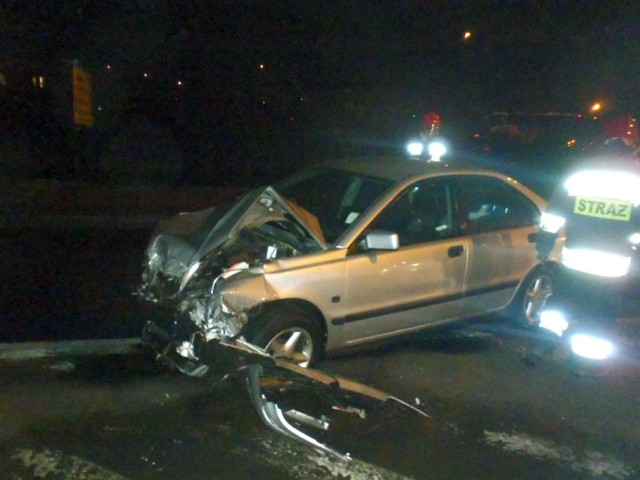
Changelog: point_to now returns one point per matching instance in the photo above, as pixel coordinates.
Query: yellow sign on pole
(82, 102)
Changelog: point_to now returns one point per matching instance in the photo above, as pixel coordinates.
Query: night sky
(232, 69)
(561, 50)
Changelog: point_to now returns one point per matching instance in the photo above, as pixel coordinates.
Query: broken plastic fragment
(301, 417)
(186, 350)
(357, 411)
(235, 268)
(64, 366)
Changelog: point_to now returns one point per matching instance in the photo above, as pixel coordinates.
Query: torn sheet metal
(191, 257)
(260, 226)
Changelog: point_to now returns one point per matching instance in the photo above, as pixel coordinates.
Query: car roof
(398, 169)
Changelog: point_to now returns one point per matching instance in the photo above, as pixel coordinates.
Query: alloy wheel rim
(294, 344)
(536, 298)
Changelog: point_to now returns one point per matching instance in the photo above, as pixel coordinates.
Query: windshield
(335, 197)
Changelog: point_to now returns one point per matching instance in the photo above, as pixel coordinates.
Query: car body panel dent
(498, 262)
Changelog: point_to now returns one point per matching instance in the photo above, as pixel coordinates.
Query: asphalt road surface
(495, 410)
(65, 284)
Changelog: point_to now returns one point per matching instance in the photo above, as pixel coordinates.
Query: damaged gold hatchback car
(345, 253)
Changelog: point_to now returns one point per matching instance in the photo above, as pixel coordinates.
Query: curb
(27, 351)
(79, 221)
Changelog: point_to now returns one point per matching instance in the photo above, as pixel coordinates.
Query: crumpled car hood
(261, 226)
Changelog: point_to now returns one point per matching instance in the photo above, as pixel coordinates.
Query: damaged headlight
(220, 318)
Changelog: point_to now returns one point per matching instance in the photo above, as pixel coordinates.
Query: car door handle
(455, 251)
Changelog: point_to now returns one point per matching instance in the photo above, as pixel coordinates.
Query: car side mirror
(379, 240)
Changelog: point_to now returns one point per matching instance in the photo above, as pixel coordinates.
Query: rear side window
(488, 203)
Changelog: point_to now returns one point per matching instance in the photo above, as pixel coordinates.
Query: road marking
(303, 462)
(26, 351)
(54, 464)
(591, 462)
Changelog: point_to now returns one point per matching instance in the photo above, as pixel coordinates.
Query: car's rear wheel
(532, 297)
(288, 333)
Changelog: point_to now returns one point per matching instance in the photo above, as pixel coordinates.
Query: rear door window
(487, 204)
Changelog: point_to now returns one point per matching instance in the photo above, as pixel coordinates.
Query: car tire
(274, 328)
(532, 297)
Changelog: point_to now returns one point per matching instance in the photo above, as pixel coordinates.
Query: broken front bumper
(165, 348)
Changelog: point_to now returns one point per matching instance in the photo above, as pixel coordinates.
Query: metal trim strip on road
(26, 351)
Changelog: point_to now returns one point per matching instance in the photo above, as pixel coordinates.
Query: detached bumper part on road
(271, 414)
(324, 396)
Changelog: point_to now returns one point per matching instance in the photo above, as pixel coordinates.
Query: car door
(501, 224)
(421, 282)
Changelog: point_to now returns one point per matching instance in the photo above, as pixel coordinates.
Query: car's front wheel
(288, 333)
(532, 297)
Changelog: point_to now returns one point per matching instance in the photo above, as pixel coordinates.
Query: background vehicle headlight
(437, 150)
(415, 148)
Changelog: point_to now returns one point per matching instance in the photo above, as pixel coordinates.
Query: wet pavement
(119, 417)
(491, 416)
(81, 413)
